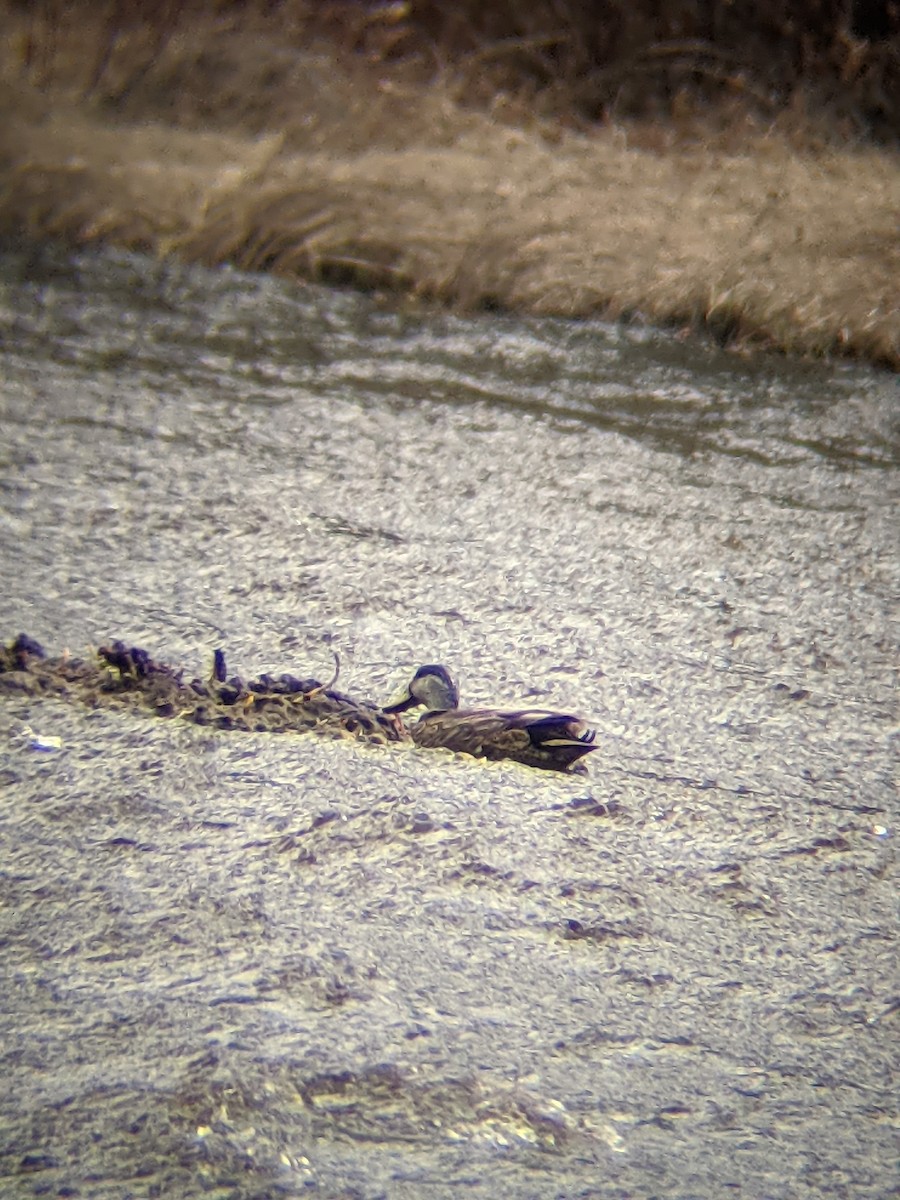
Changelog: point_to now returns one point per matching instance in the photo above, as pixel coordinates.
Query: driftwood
(118, 674)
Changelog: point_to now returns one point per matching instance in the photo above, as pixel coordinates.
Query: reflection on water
(309, 947)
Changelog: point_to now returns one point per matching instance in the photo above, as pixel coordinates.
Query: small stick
(324, 687)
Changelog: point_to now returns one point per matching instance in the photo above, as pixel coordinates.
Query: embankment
(232, 148)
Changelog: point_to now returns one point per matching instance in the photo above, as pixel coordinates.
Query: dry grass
(326, 171)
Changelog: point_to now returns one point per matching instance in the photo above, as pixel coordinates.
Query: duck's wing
(537, 737)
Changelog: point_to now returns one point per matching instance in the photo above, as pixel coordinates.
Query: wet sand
(228, 149)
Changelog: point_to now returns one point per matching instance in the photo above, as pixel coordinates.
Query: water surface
(260, 966)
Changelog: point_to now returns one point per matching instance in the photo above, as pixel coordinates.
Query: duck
(553, 741)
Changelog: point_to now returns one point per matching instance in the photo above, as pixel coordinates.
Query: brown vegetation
(207, 137)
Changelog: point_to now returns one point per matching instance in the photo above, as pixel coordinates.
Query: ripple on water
(302, 962)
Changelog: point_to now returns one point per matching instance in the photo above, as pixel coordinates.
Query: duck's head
(431, 686)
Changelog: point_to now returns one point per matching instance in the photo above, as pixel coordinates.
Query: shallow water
(271, 966)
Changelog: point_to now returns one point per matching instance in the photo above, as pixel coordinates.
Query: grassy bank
(225, 146)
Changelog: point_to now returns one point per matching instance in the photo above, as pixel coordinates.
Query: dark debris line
(127, 674)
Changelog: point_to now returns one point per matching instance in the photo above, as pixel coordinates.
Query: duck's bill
(400, 701)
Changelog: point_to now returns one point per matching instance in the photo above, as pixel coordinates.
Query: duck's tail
(565, 738)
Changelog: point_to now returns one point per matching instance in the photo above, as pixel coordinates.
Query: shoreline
(344, 176)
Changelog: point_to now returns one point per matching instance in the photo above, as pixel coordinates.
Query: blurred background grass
(833, 65)
(718, 166)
